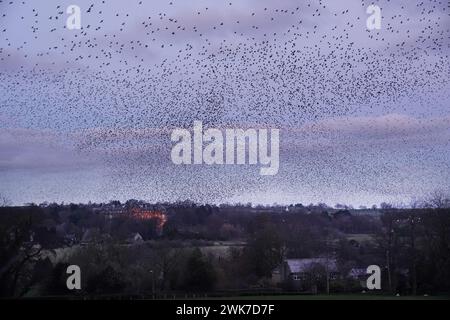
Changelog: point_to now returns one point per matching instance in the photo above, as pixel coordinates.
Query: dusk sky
(86, 115)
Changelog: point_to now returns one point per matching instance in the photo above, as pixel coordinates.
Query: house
(136, 238)
(360, 275)
(302, 273)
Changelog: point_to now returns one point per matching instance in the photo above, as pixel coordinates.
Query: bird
(282, 64)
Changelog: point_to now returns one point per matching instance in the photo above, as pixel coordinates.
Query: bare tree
(165, 259)
(17, 254)
(438, 199)
(4, 202)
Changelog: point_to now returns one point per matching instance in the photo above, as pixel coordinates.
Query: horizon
(413, 204)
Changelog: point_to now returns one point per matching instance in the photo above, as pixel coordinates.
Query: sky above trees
(87, 114)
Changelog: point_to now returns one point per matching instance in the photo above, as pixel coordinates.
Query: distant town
(184, 249)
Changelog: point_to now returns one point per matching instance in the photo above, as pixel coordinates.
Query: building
(360, 275)
(304, 274)
(135, 238)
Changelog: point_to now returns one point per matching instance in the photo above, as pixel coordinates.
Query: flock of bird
(138, 64)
